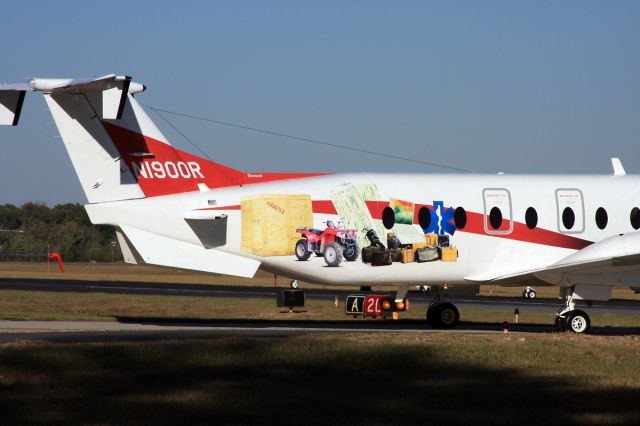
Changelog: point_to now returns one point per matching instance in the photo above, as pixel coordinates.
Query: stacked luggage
(434, 247)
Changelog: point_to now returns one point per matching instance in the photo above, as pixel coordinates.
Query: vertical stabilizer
(116, 150)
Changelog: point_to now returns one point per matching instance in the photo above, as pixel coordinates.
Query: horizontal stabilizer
(107, 94)
(11, 99)
(155, 249)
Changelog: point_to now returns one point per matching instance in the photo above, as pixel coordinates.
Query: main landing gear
(569, 318)
(440, 314)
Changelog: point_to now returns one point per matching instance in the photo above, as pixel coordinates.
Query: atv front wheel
(351, 252)
(333, 254)
(302, 252)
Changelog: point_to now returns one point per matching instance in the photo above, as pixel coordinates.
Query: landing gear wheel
(351, 252)
(578, 321)
(302, 251)
(333, 254)
(443, 315)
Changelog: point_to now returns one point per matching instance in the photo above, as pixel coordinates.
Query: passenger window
(531, 218)
(388, 217)
(495, 217)
(601, 218)
(460, 218)
(568, 217)
(635, 218)
(424, 217)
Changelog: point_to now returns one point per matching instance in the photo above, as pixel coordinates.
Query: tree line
(31, 231)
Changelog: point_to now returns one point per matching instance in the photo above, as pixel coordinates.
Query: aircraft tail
(116, 150)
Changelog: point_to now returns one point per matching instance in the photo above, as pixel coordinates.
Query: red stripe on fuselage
(474, 225)
(161, 169)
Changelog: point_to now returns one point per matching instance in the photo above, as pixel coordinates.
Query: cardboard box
(269, 223)
(449, 254)
(431, 239)
(408, 255)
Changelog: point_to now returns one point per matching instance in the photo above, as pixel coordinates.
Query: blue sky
(513, 86)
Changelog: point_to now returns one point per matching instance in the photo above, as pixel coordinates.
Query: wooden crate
(269, 223)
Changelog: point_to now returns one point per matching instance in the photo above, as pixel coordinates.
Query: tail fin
(117, 151)
(124, 156)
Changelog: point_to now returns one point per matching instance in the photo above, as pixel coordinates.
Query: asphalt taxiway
(208, 290)
(144, 330)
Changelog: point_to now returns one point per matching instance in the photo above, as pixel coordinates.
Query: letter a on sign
(354, 306)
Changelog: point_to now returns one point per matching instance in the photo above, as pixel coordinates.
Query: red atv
(333, 243)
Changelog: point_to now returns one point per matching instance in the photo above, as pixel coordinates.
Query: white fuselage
(481, 249)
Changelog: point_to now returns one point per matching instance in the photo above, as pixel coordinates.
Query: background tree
(64, 228)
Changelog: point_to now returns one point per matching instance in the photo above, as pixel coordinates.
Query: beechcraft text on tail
(176, 209)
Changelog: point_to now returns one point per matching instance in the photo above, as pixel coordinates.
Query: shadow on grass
(363, 324)
(255, 381)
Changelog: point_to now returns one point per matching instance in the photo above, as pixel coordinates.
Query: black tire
(578, 322)
(351, 252)
(532, 294)
(333, 254)
(302, 250)
(443, 315)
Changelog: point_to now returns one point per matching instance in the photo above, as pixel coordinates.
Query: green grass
(391, 378)
(375, 379)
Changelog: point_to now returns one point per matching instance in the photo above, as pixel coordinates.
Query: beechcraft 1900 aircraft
(176, 209)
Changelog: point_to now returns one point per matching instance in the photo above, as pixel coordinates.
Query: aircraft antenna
(299, 138)
(157, 111)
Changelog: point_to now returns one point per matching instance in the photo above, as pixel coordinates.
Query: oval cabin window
(460, 218)
(531, 218)
(495, 218)
(635, 218)
(388, 217)
(424, 217)
(602, 218)
(568, 218)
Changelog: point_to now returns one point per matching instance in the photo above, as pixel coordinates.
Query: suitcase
(443, 241)
(381, 258)
(449, 254)
(416, 246)
(408, 255)
(427, 254)
(396, 255)
(367, 253)
(393, 242)
(431, 238)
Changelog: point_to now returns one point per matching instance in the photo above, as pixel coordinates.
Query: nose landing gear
(568, 318)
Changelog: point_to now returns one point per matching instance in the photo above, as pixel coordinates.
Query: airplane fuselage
(513, 245)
